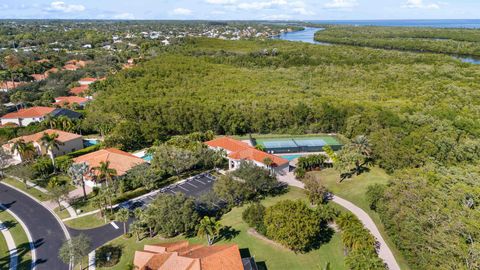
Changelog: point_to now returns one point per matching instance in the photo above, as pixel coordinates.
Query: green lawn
(30, 190)
(4, 253)
(273, 256)
(62, 214)
(86, 222)
(354, 189)
(21, 240)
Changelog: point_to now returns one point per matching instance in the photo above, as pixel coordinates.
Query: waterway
(308, 36)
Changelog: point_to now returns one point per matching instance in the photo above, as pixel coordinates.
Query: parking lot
(192, 187)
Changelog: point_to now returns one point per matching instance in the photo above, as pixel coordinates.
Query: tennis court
(299, 144)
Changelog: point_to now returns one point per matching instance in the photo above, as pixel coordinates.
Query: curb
(27, 232)
(64, 228)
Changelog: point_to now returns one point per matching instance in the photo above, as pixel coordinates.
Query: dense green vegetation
(438, 40)
(432, 215)
(267, 254)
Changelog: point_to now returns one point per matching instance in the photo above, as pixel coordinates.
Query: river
(308, 35)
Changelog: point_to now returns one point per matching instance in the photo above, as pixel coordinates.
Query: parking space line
(191, 184)
(200, 182)
(183, 188)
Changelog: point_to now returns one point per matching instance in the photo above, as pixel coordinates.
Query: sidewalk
(11, 247)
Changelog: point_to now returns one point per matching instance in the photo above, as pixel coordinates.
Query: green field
(354, 189)
(21, 241)
(265, 253)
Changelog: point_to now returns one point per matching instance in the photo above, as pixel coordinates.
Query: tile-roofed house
(39, 77)
(70, 67)
(184, 256)
(9, 85)
(41, 61)
(79, 90)
(70, 100)
(26, 116)
(69, 142)
(238, 151)
(86, 81)
(119, 160)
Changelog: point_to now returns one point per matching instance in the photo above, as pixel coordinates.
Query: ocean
(473, 23)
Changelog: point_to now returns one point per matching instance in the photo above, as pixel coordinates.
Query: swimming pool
(147, 157)
(290, 157)
(89, 142)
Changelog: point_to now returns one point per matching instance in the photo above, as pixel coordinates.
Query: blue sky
(241, 9)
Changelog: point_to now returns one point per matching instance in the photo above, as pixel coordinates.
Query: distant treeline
(453, 41)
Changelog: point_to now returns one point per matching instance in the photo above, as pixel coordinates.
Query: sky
(240, 9)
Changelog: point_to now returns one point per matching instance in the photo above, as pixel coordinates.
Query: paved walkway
(384, 251)
(12, 247)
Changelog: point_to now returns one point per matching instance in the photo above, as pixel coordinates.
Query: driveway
(47, 234)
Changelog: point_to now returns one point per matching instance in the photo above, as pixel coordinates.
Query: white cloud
(182, 11)
(64, 7)
(124, 16)
(262, 5)
(221, 2)
(420, 4)
(341, 4)
(277, 17)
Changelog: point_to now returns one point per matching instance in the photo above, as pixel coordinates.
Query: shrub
(374, 195)
(253, 215)
(63, 163)
(84, 151)
(317, 193)
(293, 224)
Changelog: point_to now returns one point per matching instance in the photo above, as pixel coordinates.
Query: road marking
(114, 225)
(183, 188)
(192, 185)
(200, 182)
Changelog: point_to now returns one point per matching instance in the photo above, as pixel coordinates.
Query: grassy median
(21, 241)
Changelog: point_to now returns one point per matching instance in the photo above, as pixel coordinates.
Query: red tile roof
(183, 256)
(11, 85)
(88, 79)
(78, 90)
(121, 161)
(62, 101)
(240, 150)
(29, 113)
(70, 67)
(39, 77)
(62, 136)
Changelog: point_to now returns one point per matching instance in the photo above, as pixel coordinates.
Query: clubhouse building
(238, 151)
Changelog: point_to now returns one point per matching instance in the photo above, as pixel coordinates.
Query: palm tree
(209, 227)
(49, 122)
(269, 163)
(24, 149)
(136, 228)
(50, 142)
(77, 171)
(65, 123)
(101, 200)
(105, 172)
(122, 216)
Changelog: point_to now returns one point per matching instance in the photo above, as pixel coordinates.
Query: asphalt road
(47, 234)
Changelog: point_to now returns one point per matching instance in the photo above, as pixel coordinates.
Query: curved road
(47, 234)
(384, 251)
